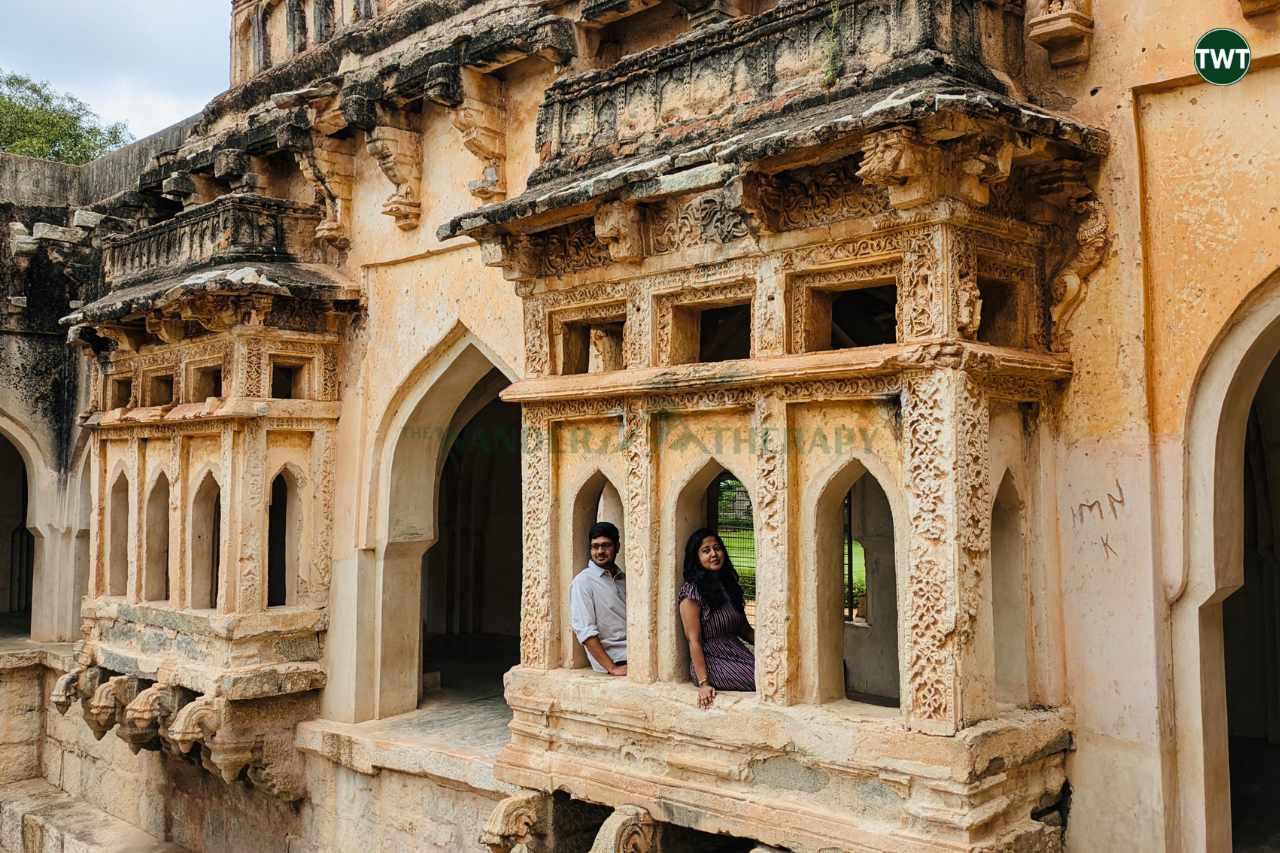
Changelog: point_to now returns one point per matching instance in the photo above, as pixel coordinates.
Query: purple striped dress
(730, 664)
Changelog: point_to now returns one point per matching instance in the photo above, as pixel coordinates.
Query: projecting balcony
(231, 229)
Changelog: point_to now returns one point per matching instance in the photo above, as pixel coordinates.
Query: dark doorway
(1251, 638)
(472, 574)
(17, 544)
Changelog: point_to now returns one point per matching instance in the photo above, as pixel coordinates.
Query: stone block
(57, 233)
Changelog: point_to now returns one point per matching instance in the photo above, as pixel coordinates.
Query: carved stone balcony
(231, 229)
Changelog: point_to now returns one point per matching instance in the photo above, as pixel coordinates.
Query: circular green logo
(1222, 57)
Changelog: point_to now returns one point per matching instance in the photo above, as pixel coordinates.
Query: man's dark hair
(603, 528)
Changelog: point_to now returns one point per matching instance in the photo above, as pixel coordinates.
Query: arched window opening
(729, 513)
(1009, 595)
(155, 577)
(322, 20)
(118, 537)
(868, 604)
(206, 544)
(296, 25)
(472, 573)
(284, 533)
(17, 545)
(597, 500)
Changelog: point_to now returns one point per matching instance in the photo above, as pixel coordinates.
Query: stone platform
(36, 817)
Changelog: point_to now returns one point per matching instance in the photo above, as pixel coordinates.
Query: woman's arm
(747, 633)
(690, 614)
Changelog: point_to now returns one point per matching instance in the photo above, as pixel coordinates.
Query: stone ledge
(860, 362)
(36, 817)
(393, 744)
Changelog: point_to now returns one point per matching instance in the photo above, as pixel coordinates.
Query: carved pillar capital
(630, 829)
(619, 225)
(520, 821)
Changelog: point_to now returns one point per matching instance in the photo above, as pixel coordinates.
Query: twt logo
(1222, 57)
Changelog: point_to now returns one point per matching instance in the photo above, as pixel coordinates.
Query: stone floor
(1255, 796)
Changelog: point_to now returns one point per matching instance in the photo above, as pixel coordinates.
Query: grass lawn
(742, 551)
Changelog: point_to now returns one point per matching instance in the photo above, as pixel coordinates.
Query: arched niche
(400, 519)
(204, 543)
(155, 558)
(688, 514)
(855, 645)
(1010, 595)
(595, 499)
(286, 533)
(118, 520)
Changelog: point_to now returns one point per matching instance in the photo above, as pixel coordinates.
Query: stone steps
(36, 817)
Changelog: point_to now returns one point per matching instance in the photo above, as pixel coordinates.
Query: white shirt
(598, 608)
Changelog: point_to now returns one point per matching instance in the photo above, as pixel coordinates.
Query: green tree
(37, 121)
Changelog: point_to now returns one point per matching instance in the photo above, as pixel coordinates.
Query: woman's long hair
(714, 587)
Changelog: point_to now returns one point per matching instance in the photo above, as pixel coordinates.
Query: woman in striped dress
(715, 620)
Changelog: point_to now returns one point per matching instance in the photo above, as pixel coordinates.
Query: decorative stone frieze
(1065, 29)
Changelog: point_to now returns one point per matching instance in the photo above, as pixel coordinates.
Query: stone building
(965, 310)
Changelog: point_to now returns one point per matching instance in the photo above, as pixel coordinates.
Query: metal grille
(729, 514)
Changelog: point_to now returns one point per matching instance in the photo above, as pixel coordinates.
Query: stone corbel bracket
(1065, 29)
(630, 829)
(326, 161)
(1070, 282)
(519, 822)
(76, 685)
(148, 715)
(516, 255)
(106, 708)
(237, 168)
(620, 225)
(481, 118)
(919, 166)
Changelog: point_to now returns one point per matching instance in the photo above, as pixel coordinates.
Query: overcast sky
(148, 63)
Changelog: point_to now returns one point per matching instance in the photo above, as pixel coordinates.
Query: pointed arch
(595, 497)
(286, 533)
(1010, 594)
(851, 512)
(1202, 483)
(118, 524)
(204, 542)
(155, 559)
(688, 513)
(400, 520)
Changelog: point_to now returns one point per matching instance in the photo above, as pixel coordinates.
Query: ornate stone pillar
(247, 517)
(641, 543)
(946, 611)
(537, 636)
(775, 629)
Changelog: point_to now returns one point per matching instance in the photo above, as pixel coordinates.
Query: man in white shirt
(598, 603)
